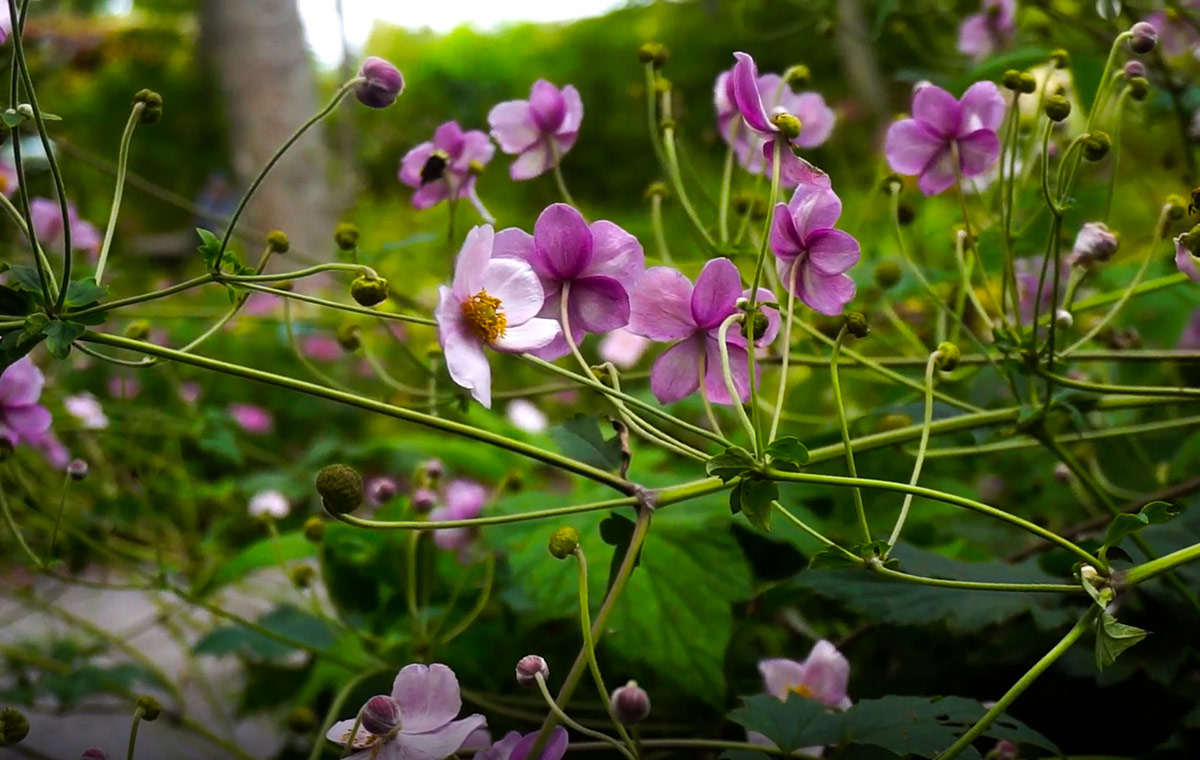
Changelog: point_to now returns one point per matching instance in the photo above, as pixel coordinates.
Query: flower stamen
(801, 690)
(483, 314)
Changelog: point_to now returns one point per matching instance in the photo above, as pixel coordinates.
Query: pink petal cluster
(1185, 259)
(48, 226)
(811, 256)
(251, 418)
(983, 33)
(667, 307)
(823, 676)
(440, 169)
(22, 418)
(514, 746)
(598, 262)
(463, 500)
(86, 408)
(925, 145)
(538, 131)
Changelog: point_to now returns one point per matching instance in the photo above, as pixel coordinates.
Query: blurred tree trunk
(258, 52)
(859, 63)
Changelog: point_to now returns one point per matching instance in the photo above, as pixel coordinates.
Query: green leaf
(36, 323)
(288, 621)
(617, 531)
(734, 462)
(16, 344)
(27, 278)
(792, 725)
(210, 246)
(754, 497)
(85, 292)
(13, 301)
(1154, 513)
(580, 438)
(830, 559)
(1113, 638)
(265, 553)
(788, 449)
(11, 117)
(59, 337)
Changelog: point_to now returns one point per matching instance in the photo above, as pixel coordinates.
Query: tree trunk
(258, 52)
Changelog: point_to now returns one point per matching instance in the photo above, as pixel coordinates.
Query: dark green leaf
(1113, 638)
(788, 449)
(14, 302)
(27, 278)
(85, 292)
(36, 323)
(580, 438)
(734, 462)
(11, 117)
(1123, 525)
(15, 345)
(755, 497)
(830, 559)
(792, 725)
(60, 336)
(617, 531)
(287, 621)
(209, 247)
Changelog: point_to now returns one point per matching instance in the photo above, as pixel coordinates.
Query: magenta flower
(1185, 259)
(427, 700)
(1174, 36)
(440, 170)
(538, 131)
(251, 418)
(598, 263)
(816, 119)
(48, 226)
(464, 500)
(749, 100)
(514, 746)
(811, 256)
(824, 676)
(22, 419)
(925, 144)
(321, 347)
(383, 84)
(666, 307)
(492, 302)
(982, 33)
(381, 489)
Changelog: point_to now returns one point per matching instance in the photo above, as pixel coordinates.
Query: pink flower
(269, 504)
(261, 304)
(1095, 244)
(464, 500)
(381, 489)
(514, 746)
(6, 25)
(321, 347)
(982, 33)
(426, 701)
(816, 119)
(384, 83)
(86, 408)
(811, 256)
(622, 348)
(251, 418)
(492, 302)
(22, 419)
(599, 263)
(440, 170)
(124, 386)
(52, 449)
(925, 144)
(666, 307)
(823, 676)
(526, 128)
(1185, 259)
(748, 98)
(48, 226)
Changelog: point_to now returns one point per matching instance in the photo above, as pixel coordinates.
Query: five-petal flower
(537, 131)
(811, 256)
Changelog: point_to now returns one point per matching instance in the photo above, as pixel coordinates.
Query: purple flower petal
(21, 383)
(977, 152)
(410, 165)
(780, 676)
(533, 161)
(938, 174)
(814, 207)
(717, 288)
(472, 261)
(827, 675)
(28, 423)
(676, 373)
(832, 251)
(465, 498)
(794, 170)
(975, 38)
(502, 750)
(827, 294)
(547, 106)
(340, 733)
(530, 336)
(517, 287)
(462, 349)
(615, 253)
(554, 749)
(1187, 263)
(911, 145)
(747, 97)
(428, 697)
(512, 126)
(714, 376)
(475, 146)
(816, 119)
(574, 117)
(563, 241)
(660, 305)
(437, 744)
(785, 241)
(449, 137)
(431, 194)
(514, 243)
(938, 110)
(982, 107)
(766, 299)
(598, 304)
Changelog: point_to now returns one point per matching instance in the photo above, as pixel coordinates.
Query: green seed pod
(856, 324)
(1011, 80)
(887, 274)
(798, 76)
(1176, 207)
(563, 542)
(1139, 88)
(346, 236)
(152, 104)
(654, 53)
(277, 241)
(341, 488)
(13, 727)
(1028, 84)
(1060, 58)
(149, 707)
(1057, 108)
(948, 356)
(138, 329)
(369, 291)
(349, 337)
(789, 125)
(755, 324)
(314, 529)
(302, 576)
(1096, 146)
(302, 720)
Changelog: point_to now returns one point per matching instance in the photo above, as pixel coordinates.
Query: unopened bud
(1028, 84)
(1139, 88)
(887, 274)
(798, 76)
(948, 356)
(381, 715)
(1063, 319)
(1062, 473)
(346, 236)
(1096, 145)
(1089, 573)
(424, 499)
(382, 83)
(563, 542)
(349, 337)
(1134, 68)
(631, 703)
(152, 105)
(382, 490)
(1143, 37)
(341, 488)
(654, 53)
(789, 126)
(755, 325)
(1057, 107)
(149, 707)
(301, 720)
(856, 324)
(13, 727)
(302, 576)
(138, 329)
(278, 242)
(314, 529)
(1060, 58)
(1011, 80)
(369, 291)
(1176, 207)
(77, 469)
(656, 190)
(528, 668)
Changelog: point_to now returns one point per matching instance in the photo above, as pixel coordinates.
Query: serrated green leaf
(733, 462)
(27, 279)
(791, 725)
(755, 496)
(580, 438)
(210, 246)
(1113, 638)
(59, 337)
(1123, 525)
(788, 449)
(85, 292)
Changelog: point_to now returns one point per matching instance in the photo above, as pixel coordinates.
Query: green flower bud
(1012, 80)
(892, 183)
(654, 53)
(856, 324)
(1096, 145)
(302, 576)
(789, 125)
(314, 529)
(656, 189)
(149, 707)
(1177, 207)
(798, 76)
(948, 356)
(662, 85)
(138, 329)
(13, 727)
(563, 542)
(277, 241)
(742, 202)
(894, 421)
(286, 285)
(152, 104)
(346, 236)
(755, 324)
(1139, 88)
(369, 291)
(1057, 108)
(302, 720)
(341, 488)
(349, 337)
(887, 274)
(1060, 58)
(1028, 84)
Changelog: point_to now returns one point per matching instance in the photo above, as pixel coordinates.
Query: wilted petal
(911, 146)
(832, 251)
(977, 152)
(598, 304)
(615, 253)
(512, 126)
(532, 161)
(746, 95)
(982, 107)
(472, 261)
(937, 109)
(440, 743)
(563, 241)
(827, 294)
(428, 697)
(676, 373)
(717, 288)
(660, 305)
(780, 676)
(534, 334)
(547, 106)
(714, 375)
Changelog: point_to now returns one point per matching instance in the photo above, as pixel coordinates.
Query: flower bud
(383, 83)
(894, 421)
(77, 469)
(1134, 68)
(314, 529)
(346, 236)
(656, 190)
(1096, 145)
(369, 291)
(1060, 58)
(1027, 84)
(755, 324)
(789, 126)
(662, 86)
(798, 76)
(1139, 88)
(382, 490)
(302, 720)
(528, 667)
(381, 715)
(152, 104)
(302, 576)
(349, 337)
(138, 329)
(287, 286)
(654, 53)
(424, 499)
(1057, 107)
(1063, 319)
(1095, 244)
(563, 542)
(631, 703)
(13, 727)
(1011, 80)
(1143, 37)
(149, 707)
(341, 488)
(856, 324)
(1176, 207)
(95, 753)
(887, 274)
(948, 356)
(277, 241)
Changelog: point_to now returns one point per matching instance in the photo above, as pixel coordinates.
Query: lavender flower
(1190, 339)
(599, 263)
(22, 419)
(492, 302)
(1095, 244)
(823, 676)
(48, 226)
(1185, 257)
(925, 144)
(514, 746)
(1175, 36)
(86, 408)
(811, 256)
(538, 131)
(622, 348)
(523, 414)
(383, 84)
(251, 418)
(793, 170)
(269, 504)
(428, 700)
(6, 25)
(445, 167)
(381, 489)
(464, 500)
(982, 33)
(666, 307)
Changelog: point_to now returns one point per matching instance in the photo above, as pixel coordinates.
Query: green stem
(772, 196)
(342, 306)
(16, 531)
(651, 114)
(556, 158)
(726, 183)
(489, 575)
(844, 426)
(1120, 431)
(727, 374)
(567, 721)
(787, 352)
(672, 164)
(1023, 588)
(133, 732)
(479, 522)
(1163, 564)
(135, 117)
(930, 365)
(656, 222)
(806, 528)
(1122, 390)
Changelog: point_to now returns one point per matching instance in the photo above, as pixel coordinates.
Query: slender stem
(1127, 390)
(805, 527)
(697, 744)
(844, 426)
(62, 504)
(1023, 683)
(410, 583)
(479, 522)
(489, 575)
(726, 183)
(329, 266)
(299, 354)
(16, 531)
(777, 148)
(1022, 588)
(135, 118)
(656, 223)
(342, 306)
(350, 737)
(930, 365)
(556, 159)
(672, 165)
(787, 352)
(133, 733)
(566, 720)
(1120, 431)
(651, 114)
(709, 413)
(335, 707)
(727, 374)
(565, 320)
(1163, 564)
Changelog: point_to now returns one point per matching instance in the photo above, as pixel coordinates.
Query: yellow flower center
(802, 690)
(483, 314)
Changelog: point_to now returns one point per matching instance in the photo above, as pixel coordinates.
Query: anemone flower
(464, 500)
(816, 118)
(811, 256)
(22, 418)
(514, 746)
(981, 34)
(538, 131)
(445, 167)
(48, 226)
